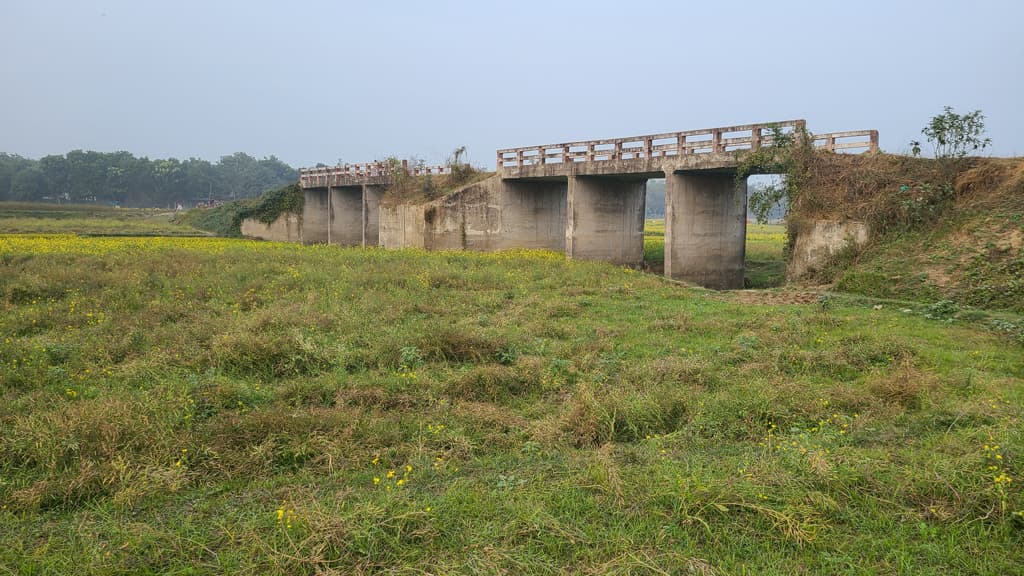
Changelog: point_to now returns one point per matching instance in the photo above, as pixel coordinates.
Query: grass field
(765, 261)
(33, 218)
(210, 406)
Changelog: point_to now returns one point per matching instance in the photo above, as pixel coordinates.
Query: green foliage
(226, 219)
(785, 154)
(269, 206)
(923, 204)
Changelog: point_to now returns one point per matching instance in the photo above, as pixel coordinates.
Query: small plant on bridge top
(953, 136)
(460, 171)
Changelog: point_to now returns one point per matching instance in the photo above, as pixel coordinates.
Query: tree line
(120, 178)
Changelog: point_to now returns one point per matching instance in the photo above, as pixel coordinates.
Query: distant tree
(88, 176)
(28, 184)
(57, 173)
(10, 165)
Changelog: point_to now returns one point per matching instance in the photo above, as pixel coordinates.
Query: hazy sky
(322, 81)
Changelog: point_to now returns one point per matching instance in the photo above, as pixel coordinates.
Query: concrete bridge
(586, 198)
(341, 203)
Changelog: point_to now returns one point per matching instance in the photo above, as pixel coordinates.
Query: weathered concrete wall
(498, 215)
(534, 214)
(314, 216)
(287, 228)
(402, 226)
(371, 214)
(818, 240)
(606, 219)
(468, 219)
(488, 215)
(346, 216)
(705, 229)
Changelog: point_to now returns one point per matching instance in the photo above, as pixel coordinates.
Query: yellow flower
(391, 474)
(376, 480)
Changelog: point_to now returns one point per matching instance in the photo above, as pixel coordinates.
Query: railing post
(501, 161)
(519, 158)
(873, 147)
(648, 147)
(681, 145)
(617, 155)
(590, 152)
(543, 156)
(755, 138)
(565, 154)
(800, 133)
(716, 141)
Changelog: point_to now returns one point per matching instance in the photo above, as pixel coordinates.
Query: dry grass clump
(992, 183)
(905, 386)
(862, 187)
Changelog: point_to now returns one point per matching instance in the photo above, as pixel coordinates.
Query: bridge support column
(606, 219)
(347, 216)
(705, 229)
(314, 215)
(371, 214)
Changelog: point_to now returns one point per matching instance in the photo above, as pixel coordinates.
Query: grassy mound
(963, 242)
(213, 406)
(226, 219)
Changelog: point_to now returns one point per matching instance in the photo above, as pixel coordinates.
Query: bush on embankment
(226, 219)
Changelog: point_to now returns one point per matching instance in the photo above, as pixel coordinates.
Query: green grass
(765, 257)
(30, 218)
(210, 406)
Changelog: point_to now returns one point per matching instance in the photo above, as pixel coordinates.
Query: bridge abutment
(705, 228)
(605, 219)
(314, 215)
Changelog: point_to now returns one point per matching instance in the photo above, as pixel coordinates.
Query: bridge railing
(706, 141)
(348, 173)
(863, 140)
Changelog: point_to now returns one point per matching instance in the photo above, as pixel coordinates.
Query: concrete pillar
(371, 214)
(533, 215)
(314, 216)
(347, 215)
(606, 219)
(705, 228)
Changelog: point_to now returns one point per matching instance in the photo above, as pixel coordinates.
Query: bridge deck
(649, 155)
(358, 174)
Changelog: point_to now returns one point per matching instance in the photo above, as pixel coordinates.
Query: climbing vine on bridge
(787, 153)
